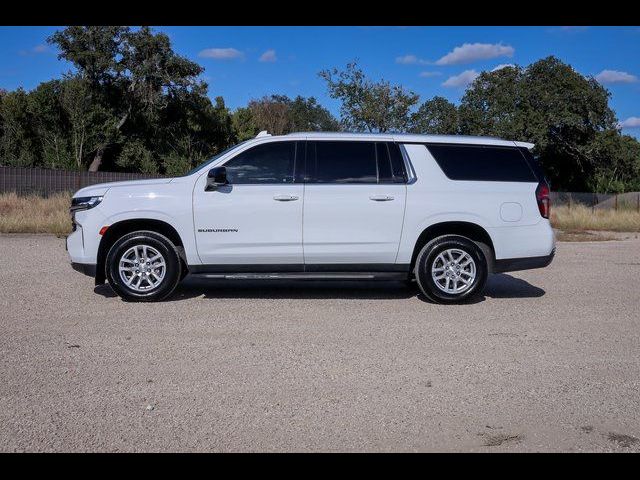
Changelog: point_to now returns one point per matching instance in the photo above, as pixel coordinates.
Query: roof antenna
(263, 133)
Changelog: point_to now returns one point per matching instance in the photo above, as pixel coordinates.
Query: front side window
(272, 162)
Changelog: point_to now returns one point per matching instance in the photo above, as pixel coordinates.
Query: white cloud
(430, 74)
(462, 80)
(631, 122)
(501, 66)
(268, 56)
(470, 52)
(410, 60)
(221, 53)
(41, 48)
(615, 76)
(571, 29)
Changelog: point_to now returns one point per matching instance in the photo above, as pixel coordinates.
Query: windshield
(214, 158)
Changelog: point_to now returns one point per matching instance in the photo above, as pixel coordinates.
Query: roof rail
(263, 133)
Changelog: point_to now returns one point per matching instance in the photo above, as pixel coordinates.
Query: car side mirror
(216, 177)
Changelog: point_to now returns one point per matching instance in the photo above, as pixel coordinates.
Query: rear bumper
(525, 263)
(88, 269)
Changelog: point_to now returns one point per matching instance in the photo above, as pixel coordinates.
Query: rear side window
(390, 163)
(482, 162)
(533, 163)
(267, 163)
(397, 163)
(355, 162)
(342, 162)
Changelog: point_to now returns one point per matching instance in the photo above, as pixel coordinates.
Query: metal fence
(41, 181)
(606, 201)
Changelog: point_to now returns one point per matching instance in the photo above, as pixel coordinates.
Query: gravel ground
(549, 360)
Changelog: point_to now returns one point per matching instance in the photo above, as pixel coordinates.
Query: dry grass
(35, 214)
(580, 218)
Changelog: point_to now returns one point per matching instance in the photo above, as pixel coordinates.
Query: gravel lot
(549, 360)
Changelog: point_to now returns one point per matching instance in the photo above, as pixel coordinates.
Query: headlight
(84, 203)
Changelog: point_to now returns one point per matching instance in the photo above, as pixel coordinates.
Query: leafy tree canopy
(548, 103)
(372, 106)
(437, 116)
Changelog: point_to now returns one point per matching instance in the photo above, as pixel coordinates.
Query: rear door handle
(381, 198)
(285, 198)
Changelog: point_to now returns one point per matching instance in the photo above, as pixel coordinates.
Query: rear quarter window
(482, 163)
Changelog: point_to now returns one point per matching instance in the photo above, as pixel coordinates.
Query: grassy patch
(579, 218)
(35, 214)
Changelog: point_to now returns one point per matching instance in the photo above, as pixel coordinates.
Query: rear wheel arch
(470, 230)
(123, 227)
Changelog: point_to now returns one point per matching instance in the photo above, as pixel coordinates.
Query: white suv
(446, 209)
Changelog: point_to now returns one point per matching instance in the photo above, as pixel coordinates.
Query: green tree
(307, 115)
(193, 129)
(89, 121)
(437, 116)
(243, 123)
(549, 104)
(615, 160)
(50, 125)
(18, 144)
(368, 105)
(279, 114)
(132, 76)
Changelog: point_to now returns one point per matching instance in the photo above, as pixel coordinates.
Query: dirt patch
(582, 236)
(622, 439)
(500, 438)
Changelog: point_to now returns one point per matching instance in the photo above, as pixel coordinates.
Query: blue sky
(242, 63)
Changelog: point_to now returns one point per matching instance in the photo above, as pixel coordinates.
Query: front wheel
(451, 269)
(143, 266)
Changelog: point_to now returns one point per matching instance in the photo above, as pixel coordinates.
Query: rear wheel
(451, 269)
(143, 266)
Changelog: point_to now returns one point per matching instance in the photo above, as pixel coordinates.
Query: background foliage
(132, 104)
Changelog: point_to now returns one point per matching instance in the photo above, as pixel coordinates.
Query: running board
(306, 276)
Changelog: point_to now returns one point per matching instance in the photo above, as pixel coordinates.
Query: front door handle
(285, 198)
(381, 198)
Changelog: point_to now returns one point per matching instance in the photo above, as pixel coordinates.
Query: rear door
(353, 203)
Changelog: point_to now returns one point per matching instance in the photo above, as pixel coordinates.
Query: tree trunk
(97, 160)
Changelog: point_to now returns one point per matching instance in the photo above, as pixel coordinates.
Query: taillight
(543, 198)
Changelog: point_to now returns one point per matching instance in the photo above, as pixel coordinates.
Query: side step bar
(306, 276)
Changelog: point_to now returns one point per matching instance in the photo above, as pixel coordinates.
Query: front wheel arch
(123, 227)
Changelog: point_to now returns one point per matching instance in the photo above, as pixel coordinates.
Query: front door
(257, 218)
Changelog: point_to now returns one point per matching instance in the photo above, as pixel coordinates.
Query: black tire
(428, 255)
(163, 245)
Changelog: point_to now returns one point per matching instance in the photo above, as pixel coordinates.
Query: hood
(101, 188)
